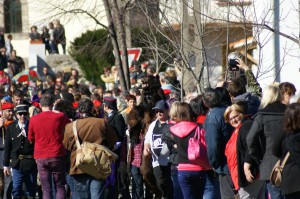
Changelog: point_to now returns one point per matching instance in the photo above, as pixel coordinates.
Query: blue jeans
(212, 186)
(274, 191)
(27, 177)
(137, 183)
(48, 168)
(177, 193)
(192, 183)
(53, 47)
(84, 186)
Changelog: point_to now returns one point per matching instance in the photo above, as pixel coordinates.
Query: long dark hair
(138, 120)
(198, 107)
(292, 118)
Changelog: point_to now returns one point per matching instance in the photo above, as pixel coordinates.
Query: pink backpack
(197, 145)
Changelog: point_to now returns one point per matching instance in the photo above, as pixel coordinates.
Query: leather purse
(276, 174)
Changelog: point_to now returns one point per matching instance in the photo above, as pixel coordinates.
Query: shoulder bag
(276, 174)
(93, 159)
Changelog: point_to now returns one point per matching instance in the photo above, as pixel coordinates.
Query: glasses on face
(159, 111)
(24, 114)
(234, 117)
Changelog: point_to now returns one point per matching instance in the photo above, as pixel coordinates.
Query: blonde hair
(270, 95)
(180, 111)
(233, 107)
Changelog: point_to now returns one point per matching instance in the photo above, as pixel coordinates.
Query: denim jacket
(217, 135)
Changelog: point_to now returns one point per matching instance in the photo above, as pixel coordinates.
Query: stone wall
(61, 63)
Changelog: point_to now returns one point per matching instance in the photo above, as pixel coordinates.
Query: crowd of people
(51, 36)
(242, 132)
(10, 63)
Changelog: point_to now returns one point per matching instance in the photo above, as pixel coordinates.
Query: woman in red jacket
(242, 167)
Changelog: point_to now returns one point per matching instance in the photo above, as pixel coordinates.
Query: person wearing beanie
(5, 121)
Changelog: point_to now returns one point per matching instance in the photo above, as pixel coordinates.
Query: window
(12, 16)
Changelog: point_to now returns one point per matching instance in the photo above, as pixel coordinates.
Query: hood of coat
(183, 129)
(276, 107)
(252, 101)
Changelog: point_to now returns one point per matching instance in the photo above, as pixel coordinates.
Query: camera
(232, 63)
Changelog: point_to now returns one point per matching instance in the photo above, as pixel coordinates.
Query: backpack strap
(76, 135)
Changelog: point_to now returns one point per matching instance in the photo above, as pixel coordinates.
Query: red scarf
(8, 122)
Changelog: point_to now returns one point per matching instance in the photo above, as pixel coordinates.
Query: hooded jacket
(252, 101)
(182, 132)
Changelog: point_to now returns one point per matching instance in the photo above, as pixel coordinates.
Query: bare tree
(208, 28)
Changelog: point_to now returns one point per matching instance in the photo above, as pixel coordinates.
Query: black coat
(291, 171)
(116, 120)
(2, 137)
(3, 61)
(265, 134)
(16, 145)
(243, 154)
(2, 40)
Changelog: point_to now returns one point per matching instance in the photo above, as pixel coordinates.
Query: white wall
(287, 55)
(41, 12)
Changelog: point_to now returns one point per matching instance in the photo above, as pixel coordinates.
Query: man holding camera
(247, 92)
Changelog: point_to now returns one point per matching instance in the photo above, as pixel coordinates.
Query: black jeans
(295, 195)
(164, 181)
(226, 186)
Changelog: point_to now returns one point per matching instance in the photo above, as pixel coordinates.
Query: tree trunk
(121, 35)
(113, 36)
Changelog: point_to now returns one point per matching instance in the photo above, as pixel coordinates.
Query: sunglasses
(25, 114)
(159, 111)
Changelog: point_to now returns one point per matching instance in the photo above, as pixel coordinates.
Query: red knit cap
(7, 106)
(97, 103)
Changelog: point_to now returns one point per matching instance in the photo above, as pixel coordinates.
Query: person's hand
(248, 173)
(6, 171)
(147, 151)
(241, 64)
(221, 83)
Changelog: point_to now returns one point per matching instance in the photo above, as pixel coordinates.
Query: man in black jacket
(116, 120)
(18, 153)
